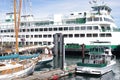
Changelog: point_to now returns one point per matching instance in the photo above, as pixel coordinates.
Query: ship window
(40, 36)
(36, 29)
(50, 29)
(83, 28)
(1, 31)
(35, 43)
(100, 18)
(12, 30)
(32, 30)
(31, 36)
(70, 35)
(36, 36)
(41, 29)
(45, 36)
(108, 35)
(102, 8)
(27, 36)
(89, 35)
(4, 30)
(76, 35)
(89, 19)
(45, 29)
(89, 27)
(77, 28)
(70, 28)
(82, 35)
(60, 28)
(55, 29)
(31, 43)
(26, 43)
(108, 28)
(44, 42)
(96, 19)
(102, 35)
(40, 43)
(65, 28)
(65, 35)
(23, 30)
(22, 24)
(9, 30)
(49, 43)
(49, 36)
(95, 35)
(28, 30)
(95, 27)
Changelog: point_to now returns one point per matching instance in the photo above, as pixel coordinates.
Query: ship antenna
(94, 2)
(30, 4)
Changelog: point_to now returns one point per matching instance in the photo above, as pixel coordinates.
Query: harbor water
(115, 75)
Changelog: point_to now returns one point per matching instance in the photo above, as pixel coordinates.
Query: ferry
(77, 28)
(100, 60)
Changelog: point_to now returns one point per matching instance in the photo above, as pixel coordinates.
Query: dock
(54, 74)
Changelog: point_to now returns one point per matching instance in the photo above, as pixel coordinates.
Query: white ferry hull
(96, 70)
(19, 74)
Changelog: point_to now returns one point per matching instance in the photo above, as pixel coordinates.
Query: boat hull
(96, 70)
(19, 74)
(44, 61)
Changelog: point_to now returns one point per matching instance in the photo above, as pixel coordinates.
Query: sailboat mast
(17, 23)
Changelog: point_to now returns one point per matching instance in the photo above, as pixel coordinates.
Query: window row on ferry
(76, 28)
(30, 43)
(99, 19)
(65, 35)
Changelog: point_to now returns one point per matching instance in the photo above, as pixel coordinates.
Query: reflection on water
(43, 67)
(108, 76)
(115, 75)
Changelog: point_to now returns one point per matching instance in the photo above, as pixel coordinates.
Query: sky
(44, 8)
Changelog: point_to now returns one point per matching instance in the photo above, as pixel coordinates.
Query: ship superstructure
(77, 28)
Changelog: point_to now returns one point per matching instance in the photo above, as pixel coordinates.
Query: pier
(54, 74)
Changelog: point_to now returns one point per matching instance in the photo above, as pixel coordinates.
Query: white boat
(99, 61)
(42, 54)
(77, 28)
(11, 67)
(45, 57)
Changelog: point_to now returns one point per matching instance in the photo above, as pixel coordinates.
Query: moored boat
(99, 61)
(45, 57)
(11, 67)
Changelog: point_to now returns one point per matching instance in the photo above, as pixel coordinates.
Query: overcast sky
(44, 8)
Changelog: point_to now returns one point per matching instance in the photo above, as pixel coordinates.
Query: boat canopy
(21, 57)
(10, 56)
(98, 50)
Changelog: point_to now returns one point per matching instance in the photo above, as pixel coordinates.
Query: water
(115, 75)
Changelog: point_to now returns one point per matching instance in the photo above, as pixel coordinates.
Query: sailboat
(10, 65)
